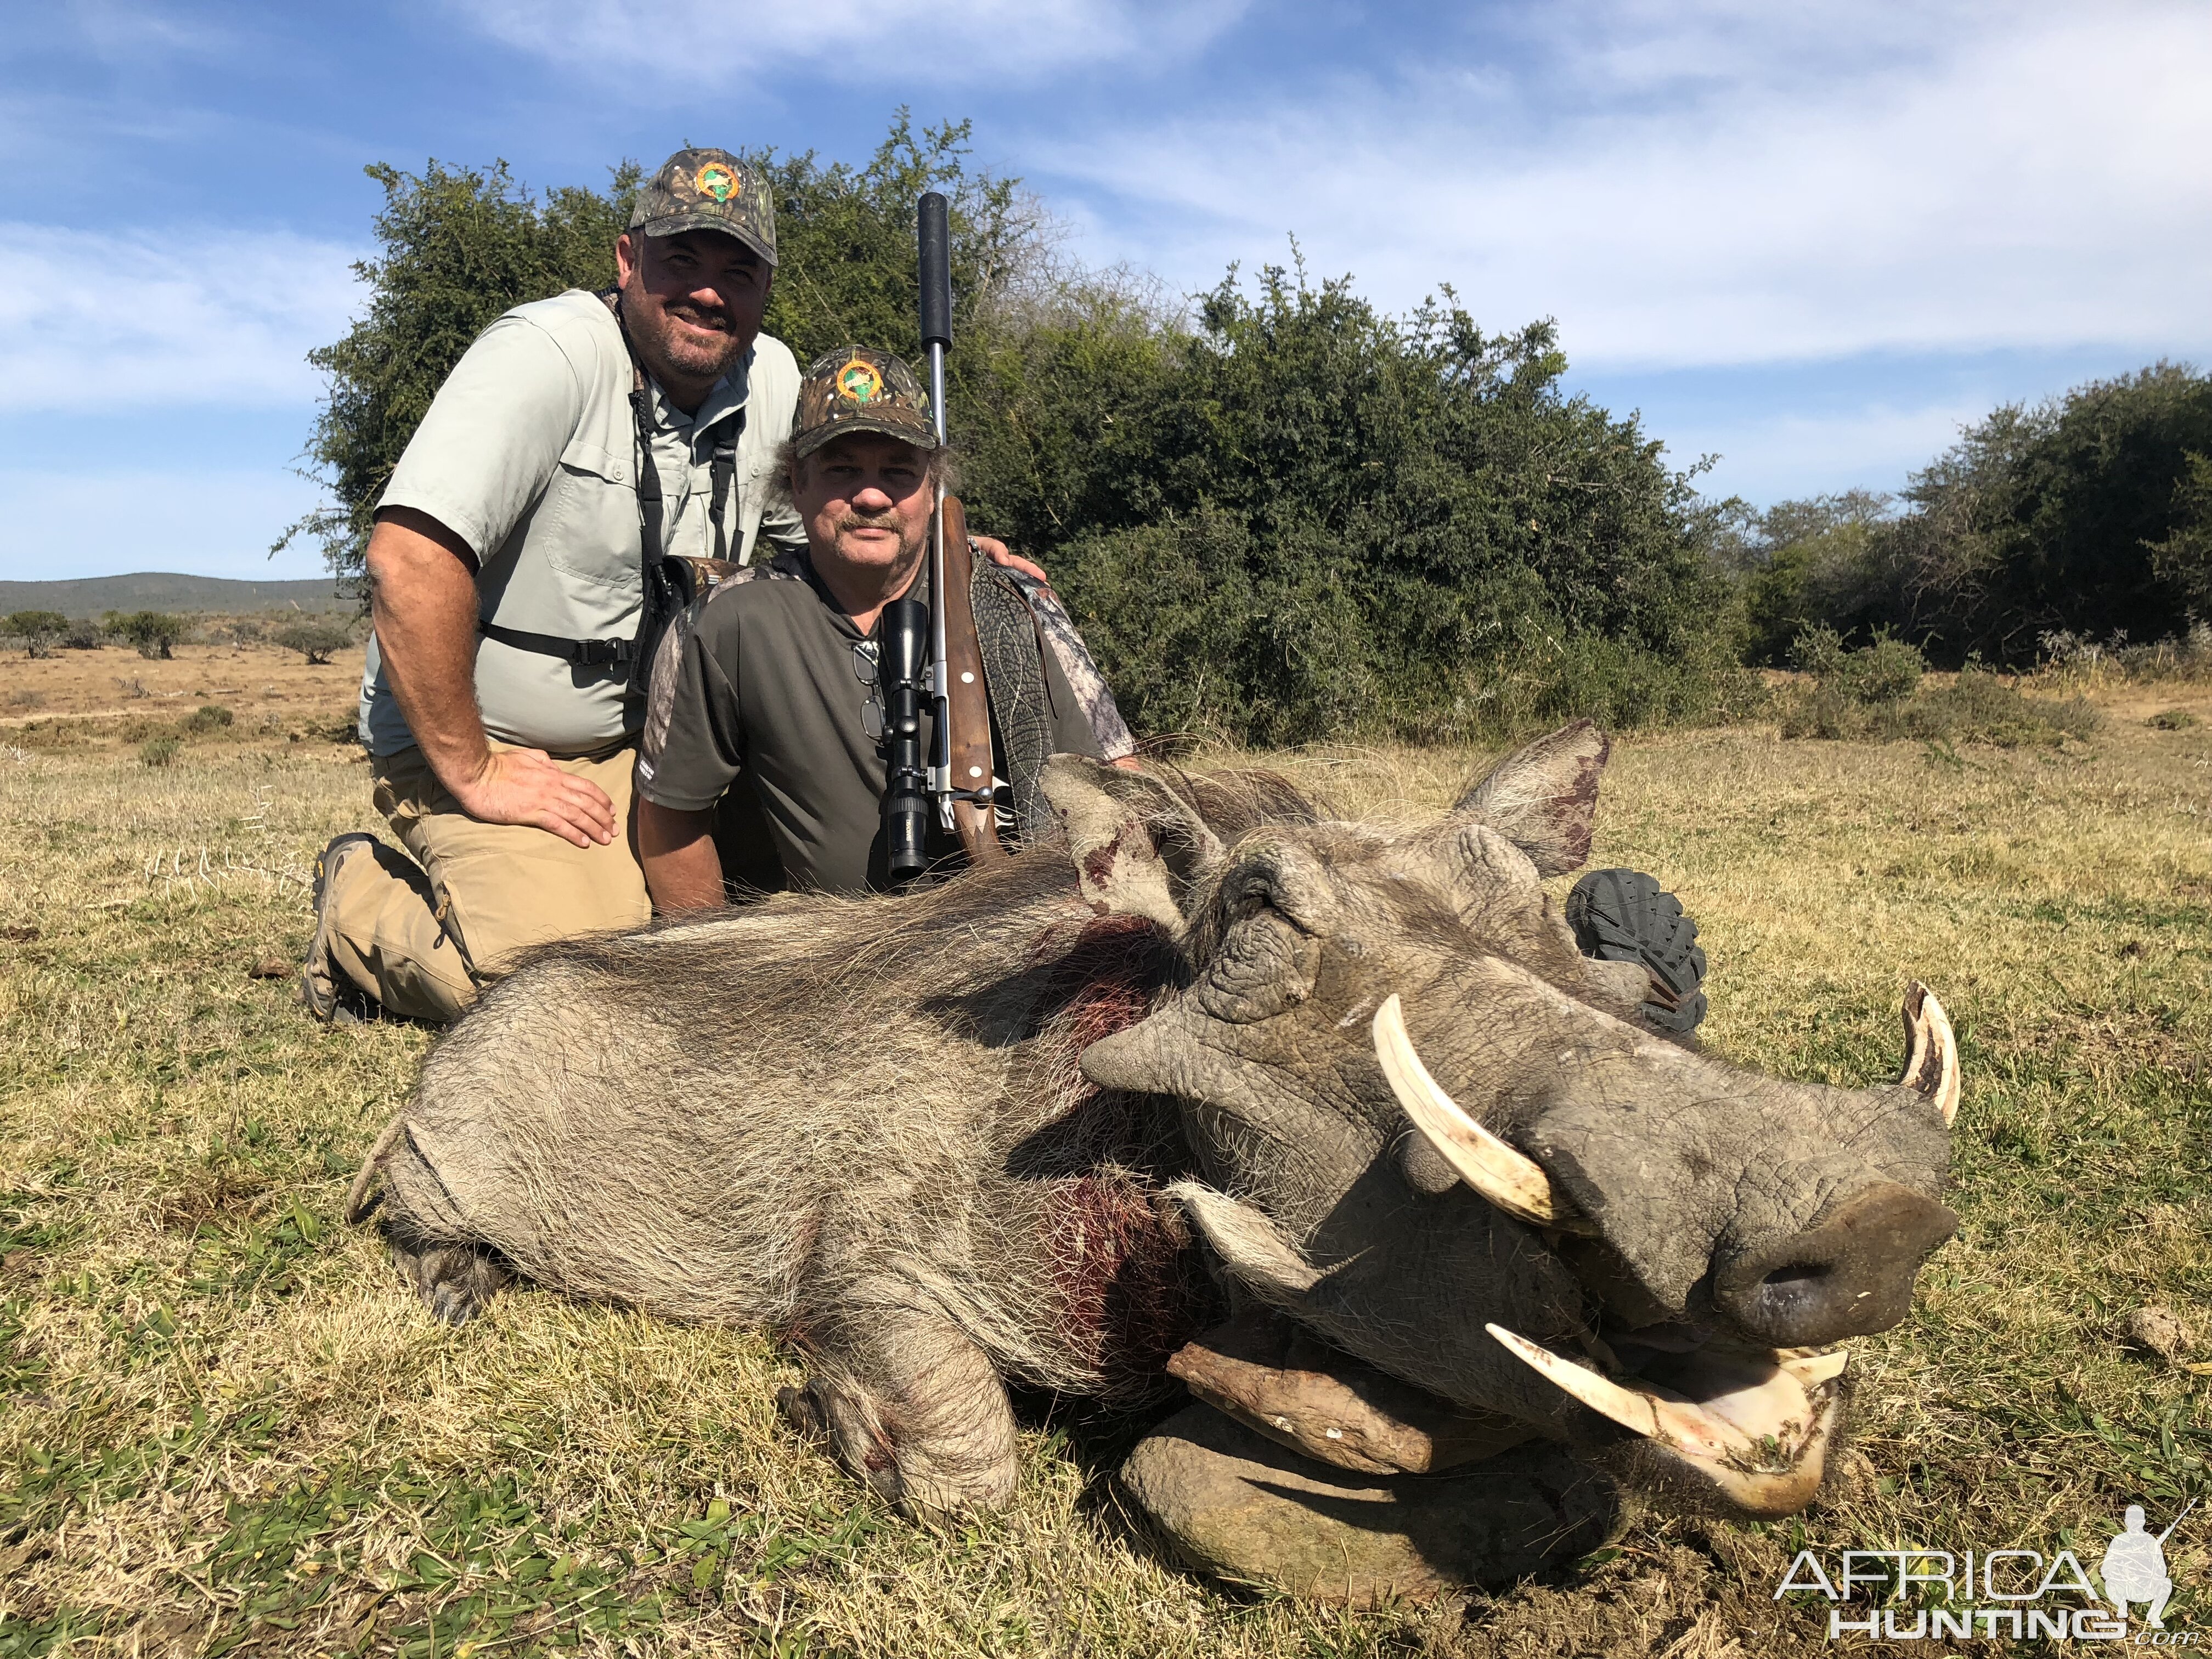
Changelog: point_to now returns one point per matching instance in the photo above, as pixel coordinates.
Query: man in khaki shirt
(508, 589)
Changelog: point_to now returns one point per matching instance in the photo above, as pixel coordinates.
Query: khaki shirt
(529, 454)
(759, 682)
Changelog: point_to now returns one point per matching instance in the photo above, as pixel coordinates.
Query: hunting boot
(329, 994)
(1624, 915)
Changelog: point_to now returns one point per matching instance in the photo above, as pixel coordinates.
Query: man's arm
(423, 598)
(683, 870)
(998, 553)
(1070, 672)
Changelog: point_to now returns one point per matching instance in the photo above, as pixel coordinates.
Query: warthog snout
(1849, 1275)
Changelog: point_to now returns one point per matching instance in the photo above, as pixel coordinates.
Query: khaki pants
(422, 935)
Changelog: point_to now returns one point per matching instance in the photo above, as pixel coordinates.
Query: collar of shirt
(802, 564)
(723, 403)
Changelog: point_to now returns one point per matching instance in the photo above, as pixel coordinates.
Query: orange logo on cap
(717, 181)
(860, 382)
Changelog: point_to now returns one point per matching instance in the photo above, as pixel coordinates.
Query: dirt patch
(115, 681)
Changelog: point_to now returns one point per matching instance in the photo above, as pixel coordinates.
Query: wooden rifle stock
(967, 696)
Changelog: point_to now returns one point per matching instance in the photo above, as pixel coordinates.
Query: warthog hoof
(1235, 1504)
(456, 1282)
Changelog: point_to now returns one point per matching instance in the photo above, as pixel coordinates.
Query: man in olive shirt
(769, 680)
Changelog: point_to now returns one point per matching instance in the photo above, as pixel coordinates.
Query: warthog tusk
(1512, 1181)
(1646, 1414)
(1931, 1053)
(1814, 1368)
(1761, 1439)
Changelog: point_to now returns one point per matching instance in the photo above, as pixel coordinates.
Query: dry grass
(224, 1428)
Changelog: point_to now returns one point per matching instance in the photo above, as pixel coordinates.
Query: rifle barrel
(933, 233)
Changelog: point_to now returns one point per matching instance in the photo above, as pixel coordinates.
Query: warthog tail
(357, 1205)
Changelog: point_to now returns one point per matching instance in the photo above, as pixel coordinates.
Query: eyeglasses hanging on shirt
(867, 655)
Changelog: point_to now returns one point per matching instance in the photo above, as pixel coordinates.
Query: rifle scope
(901, 636)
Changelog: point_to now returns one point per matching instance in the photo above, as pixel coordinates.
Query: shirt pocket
(590, 530)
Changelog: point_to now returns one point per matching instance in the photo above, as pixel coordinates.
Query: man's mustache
(700, 316)
(851, 520)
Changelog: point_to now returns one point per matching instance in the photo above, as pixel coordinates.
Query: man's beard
(671, 354)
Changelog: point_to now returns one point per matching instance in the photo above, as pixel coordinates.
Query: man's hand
(995, 550)
(423, 593)
(523, 785)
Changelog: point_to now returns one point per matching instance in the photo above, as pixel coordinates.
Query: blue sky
(1810, 238)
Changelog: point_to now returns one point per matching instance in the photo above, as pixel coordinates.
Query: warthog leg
(455, 1281)
(909, 1404)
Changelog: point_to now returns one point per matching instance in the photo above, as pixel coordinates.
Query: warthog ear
(1139, 847)
(1542, 798)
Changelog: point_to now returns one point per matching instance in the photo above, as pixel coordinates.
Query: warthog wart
(1045, 1122)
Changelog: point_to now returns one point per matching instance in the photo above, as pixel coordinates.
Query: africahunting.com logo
(2013, 1595)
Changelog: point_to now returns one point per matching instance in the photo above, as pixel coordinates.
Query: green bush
(209, 717)
(316, 639)
(39, 630)
(152, 631)
(1980, 706)
(1811, 563)
(1886, 671)
(1368, 524)
(2088, 517)
(158, 751)
(83, 634)
(2170, 719)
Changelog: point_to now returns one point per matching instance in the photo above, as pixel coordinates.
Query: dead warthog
(1042, 1122)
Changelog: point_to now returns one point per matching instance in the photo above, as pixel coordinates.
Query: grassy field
(225, 1428)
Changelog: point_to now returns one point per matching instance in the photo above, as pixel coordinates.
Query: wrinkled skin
(870, 1133)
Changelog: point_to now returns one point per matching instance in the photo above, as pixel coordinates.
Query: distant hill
(154, 590)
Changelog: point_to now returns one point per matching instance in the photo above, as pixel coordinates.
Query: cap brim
(673, 224)
(807, 442)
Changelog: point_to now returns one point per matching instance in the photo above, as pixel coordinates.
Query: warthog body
(1039, 1122)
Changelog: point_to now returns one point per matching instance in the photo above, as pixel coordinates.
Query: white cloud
(858, 41)
(1723, 183)
(98, 322)
(55, 524)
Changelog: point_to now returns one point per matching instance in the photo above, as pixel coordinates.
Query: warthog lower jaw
(1754, 1425)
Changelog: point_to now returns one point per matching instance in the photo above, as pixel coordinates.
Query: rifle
(2177, 1520)
(958, 776)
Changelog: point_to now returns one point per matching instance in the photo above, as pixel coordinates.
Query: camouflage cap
(859, 390)
(708, 189)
